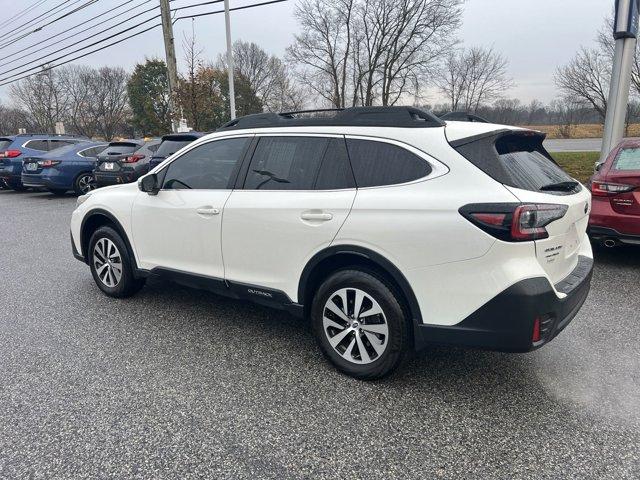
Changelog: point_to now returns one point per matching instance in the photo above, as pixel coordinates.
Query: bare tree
(474, 77)
(267, 75)
(585, 79)
(43, 96)
(78, 83)
(357, 52)
(12, 118)
(111, 100)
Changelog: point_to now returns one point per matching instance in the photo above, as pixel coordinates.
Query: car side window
(53, 144)
(41, 145)
(285, 163)
(380, 163)
(207, 166)
(335, 172)
(92, 152)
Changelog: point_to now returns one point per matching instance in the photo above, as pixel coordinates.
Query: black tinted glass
(378, 163)
(208, 166)
(53, 144)
(169, 147)
(4, 144)
(120, 149)
(335, 171)
(42, 145)
(285, 163)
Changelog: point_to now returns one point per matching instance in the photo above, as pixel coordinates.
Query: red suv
(615, 210)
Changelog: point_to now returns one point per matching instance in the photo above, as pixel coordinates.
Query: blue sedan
(63, 169)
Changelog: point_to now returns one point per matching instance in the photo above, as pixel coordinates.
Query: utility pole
(625, 32)
(232, 90)
(170, 53)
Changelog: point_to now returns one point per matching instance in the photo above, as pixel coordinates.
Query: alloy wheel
(86, 183)
(107, 262)
(355, 325)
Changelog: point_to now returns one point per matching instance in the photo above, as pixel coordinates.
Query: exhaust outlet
(610, 243)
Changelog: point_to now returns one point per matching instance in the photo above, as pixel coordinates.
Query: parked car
(63, 169)
(388, 227)
(615, 187)
(124, 161)
(170, 144)
(14, 148)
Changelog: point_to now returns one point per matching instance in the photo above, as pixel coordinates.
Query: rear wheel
(111, 265)
(84, 183)
(360, 324)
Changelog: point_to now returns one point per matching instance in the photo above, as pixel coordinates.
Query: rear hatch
(30, 166)
(517, 159)
(112, 159)
(622, 182)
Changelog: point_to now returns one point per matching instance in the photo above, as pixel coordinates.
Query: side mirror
(598, 167)
(149, 184)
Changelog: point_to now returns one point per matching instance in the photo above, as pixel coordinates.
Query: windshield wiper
(560, 186)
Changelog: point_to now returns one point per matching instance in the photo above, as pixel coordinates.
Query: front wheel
(360, 325)
(111, 265)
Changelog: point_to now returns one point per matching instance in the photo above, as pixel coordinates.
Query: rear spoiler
(497, 133)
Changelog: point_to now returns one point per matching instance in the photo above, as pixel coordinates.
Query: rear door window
(57, 143)
(379, 163)
(285, 163)
(627, 159)
(335, 172)
(92, 152)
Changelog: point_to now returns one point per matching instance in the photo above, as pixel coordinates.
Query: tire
(58, 191)
(392, 342)
(106, 239)
(84, 183)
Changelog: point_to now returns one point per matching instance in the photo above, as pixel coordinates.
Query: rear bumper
(604, 233)
(44, 181)
(506, 322)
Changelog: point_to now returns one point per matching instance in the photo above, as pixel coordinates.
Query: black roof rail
(463, 117)
(403, 117)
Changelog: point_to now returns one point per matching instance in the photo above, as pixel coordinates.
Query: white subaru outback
(389, 228)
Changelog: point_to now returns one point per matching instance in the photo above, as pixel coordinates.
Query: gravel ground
(178, 383)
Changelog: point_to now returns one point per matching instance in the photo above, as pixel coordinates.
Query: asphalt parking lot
(178, 383)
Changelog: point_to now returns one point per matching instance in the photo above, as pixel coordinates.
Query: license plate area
(32, 167)
(108, 165)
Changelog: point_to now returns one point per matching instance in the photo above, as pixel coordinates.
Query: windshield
(169, 147)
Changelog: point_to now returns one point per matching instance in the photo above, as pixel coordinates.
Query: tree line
(349, 53)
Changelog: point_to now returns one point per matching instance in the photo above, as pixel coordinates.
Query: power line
(81, 7)
(22, 13)
(50, 39)
(46, 66)
(28, 23)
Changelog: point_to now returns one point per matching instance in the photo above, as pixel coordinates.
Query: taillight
(514, 222)
(10, 153)
(605, 189)
(133, 158)
(48, 163)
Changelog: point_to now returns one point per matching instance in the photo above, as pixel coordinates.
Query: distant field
(578, 164)
(592, 130)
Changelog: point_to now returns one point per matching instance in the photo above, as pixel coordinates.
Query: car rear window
(169, 147)
(5, 143)
(627, 159)
(120, 149)
(517, 160)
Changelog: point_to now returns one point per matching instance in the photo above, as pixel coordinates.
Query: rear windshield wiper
(560, 186)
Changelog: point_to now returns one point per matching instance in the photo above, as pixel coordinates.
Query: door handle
(207, 211)
(316, 216)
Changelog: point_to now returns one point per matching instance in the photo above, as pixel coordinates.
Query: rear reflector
(536, 331)
(513, 222)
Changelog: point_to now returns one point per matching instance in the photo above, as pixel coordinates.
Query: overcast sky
(534, 35)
